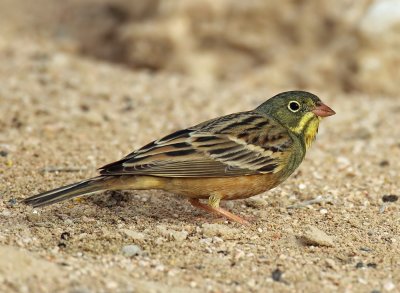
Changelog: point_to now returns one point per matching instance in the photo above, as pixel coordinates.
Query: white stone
(389, 286)
(131, 250)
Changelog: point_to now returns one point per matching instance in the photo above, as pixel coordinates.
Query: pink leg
(217, 210)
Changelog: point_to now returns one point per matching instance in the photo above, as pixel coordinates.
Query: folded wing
(235, 145)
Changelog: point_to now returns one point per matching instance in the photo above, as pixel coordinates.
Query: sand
(64, 115)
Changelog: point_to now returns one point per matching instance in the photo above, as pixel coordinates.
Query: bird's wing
(239, 144)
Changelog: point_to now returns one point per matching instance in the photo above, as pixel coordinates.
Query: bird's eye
(294, 106)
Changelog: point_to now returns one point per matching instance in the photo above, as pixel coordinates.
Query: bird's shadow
(129, 207)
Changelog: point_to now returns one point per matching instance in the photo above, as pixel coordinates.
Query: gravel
(131, 250)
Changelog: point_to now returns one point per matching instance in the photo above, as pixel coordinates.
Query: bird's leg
(213, 207)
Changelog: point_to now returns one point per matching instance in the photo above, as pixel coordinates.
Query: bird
(231, 157)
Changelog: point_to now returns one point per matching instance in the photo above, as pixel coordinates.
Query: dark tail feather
(67, 192)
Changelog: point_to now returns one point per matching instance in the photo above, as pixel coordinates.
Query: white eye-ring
(294, 106)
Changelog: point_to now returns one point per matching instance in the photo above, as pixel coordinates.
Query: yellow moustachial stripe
(308, 126)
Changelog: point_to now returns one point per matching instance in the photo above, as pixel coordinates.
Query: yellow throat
(308, 126)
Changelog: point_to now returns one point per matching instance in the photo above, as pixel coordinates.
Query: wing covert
(234, 145)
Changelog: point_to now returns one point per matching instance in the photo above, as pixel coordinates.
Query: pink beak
(323, 110)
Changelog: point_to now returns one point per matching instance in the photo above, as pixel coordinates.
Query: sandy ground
(59, 111)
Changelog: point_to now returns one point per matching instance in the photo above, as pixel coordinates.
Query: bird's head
(299, 111)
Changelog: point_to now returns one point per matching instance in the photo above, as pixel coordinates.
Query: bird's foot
(219, 211)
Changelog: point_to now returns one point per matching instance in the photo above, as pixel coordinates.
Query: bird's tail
(69, 191)
(95, 184)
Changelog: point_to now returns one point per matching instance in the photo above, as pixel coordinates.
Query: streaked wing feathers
(234, 145)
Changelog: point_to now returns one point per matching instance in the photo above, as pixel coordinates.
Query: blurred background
(85, 82)
(345, 46)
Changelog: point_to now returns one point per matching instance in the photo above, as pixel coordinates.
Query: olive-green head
(295, 109)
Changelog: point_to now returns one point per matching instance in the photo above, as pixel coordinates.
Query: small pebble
(111, 285)
(239, 254)
(359, 265)
(179, 235)
(323, 211)
(366, 249)
(390, 198)
(277, 275)
(384, 163)
(256, 203)
(343, 162)
(362, 281)
(314, 236)
(62, 245)
(131, 250)
(3, 153)
(371, 265)
(133, 234)
(84, 107)
(68, 222)
(229, 205)
(65, 235)
(389, 286)
(211, 230)
(172, 234)
(193, 284)
(33, 217)
(92, 118)
(12, 202)
(251, 283)
(331, 264)
(6, 213)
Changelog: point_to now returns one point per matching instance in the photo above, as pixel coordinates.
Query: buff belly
(202, 188)
(227, 188)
